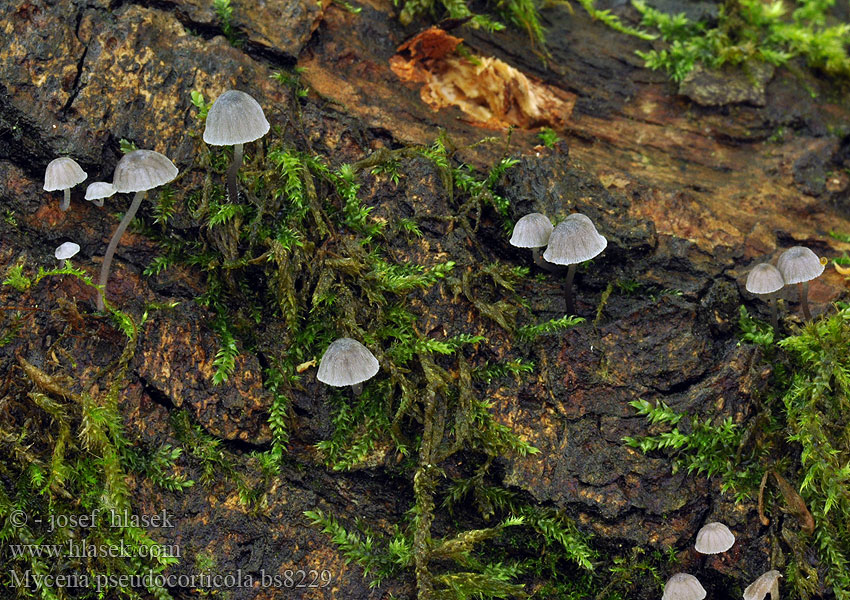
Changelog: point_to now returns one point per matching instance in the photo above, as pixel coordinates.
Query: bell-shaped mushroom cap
(768, 583)
(99, 190)
(764, 279)
(346, 362)
(532, 231)
(714, 538)
(66, 250)
(574, 240)
(62, 173)
(142, 170)
(798, 265)
(682, 586)
(235, 118)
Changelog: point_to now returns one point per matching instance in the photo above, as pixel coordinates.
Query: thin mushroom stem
(66, 199)
(571, 308)
(774, 319)
(804, 299)
(357, 388)
(232, 190)
(113, 244)
(538, 260)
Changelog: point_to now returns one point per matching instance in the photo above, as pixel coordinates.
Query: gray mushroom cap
(767, 583)
(235, 118)
(62, 173)
(346, 362)
(573, 241)
(682, 586)
(532, 231)
(798, 265)
(714, 538)
(142, 170)
(764, 279)
(66, 250)
(99, 190)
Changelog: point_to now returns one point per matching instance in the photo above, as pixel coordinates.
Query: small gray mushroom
(533, 231)
(62, 174)
(766, 280)
(682, 586)
(66, 250)
(137, 172)
(347, 362)
(767, 583)
(97, 191)
(235, 119)
(714, 538)
(800, 265)
(573, 241)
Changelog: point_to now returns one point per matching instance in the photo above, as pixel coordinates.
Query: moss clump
(799, 434)
(64, 462)
(749, 30)
(520, 13)
(302, 253)
(817, 418)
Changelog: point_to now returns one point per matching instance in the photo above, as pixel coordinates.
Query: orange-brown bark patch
(487, 89)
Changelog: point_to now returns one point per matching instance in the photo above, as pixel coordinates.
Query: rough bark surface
(689, 197)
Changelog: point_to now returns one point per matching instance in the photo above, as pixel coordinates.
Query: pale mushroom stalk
(774, 318)
(804, 299)
(232, 190)
(136, 173)
(66, 200)
(571, 306)
(113, 244)
(538, 260)
(357, 389)
(535, 253)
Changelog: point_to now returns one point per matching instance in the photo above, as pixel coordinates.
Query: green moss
(531, 332)
(798, 432)
(748, 30)
(64, 464)
(302, 248)
(15, 277)
(520, 13)
(126, 146)
(816, 408)
(224, 11)
(704, 450)
(301, 260)
(614, 22)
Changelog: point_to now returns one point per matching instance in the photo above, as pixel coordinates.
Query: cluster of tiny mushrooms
(796, 265)
(236, 118)
(715, 538)
(573, 241)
